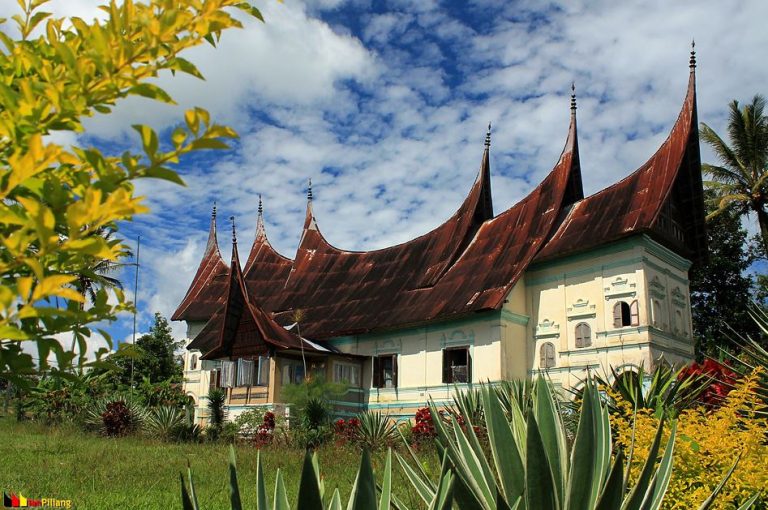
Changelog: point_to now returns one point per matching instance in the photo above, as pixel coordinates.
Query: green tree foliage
(55, 200)
(740, 184)
(721, 292)
(153, 357)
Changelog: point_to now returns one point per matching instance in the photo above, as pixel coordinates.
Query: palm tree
(94, 276)
(741, 183)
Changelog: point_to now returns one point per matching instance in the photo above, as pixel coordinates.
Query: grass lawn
(142, 473)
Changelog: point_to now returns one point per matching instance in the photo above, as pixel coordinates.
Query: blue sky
(384, 104)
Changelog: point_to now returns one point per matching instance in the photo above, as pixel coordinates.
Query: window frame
(377, 371)
(626, 314)
(544, 356)
(355, 369)
(448, 377)
(581, 340)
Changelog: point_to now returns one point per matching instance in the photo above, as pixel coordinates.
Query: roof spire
(692, 61)
(213, 212)
(234, 232)
(573, 98)
(261, 207)
(488, 137)
(309, 190)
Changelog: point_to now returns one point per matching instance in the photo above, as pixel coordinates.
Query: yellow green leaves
(56, 203)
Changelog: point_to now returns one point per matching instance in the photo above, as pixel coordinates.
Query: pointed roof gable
(670, 179)
(241, 327)
(265, 270)
(206, 292)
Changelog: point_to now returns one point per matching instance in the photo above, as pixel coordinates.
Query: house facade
(557, 284)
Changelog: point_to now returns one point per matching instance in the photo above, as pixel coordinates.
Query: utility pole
(135, 300)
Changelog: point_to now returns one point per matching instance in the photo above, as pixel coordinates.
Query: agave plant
(670, 390)
(312, 489)
(376, 430)
(163, 421)
(530, 467)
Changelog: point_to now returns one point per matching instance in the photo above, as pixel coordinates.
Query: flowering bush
(722, 377)
(708, 443)
(424, 429)
(346, 431)
(265, 431)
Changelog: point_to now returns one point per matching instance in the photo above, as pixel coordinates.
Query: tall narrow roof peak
(234, 231)
(692, 61)
(309, 190)
(573, 98)
(488, 137)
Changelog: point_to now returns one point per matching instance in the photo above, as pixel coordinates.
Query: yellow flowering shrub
(708, 443)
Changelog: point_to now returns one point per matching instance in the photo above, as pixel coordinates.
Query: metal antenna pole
(135, 300)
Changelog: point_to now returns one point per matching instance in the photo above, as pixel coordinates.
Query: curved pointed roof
(471, 261)
(241, 327)
(265, 269)
(662, 198)
(344, 292)
(206, 292)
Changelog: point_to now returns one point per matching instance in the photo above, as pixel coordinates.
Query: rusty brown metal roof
(242, 328)
(206, 292)
(634, 204)
(470, 263)
(466, 264)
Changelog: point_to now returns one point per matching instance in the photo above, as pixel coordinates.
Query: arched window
(547, 355)
(678, 321)
(583, 335)
(656, 319)
(193, 362)
(625, 314)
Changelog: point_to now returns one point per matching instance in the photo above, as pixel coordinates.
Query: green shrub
(376, 430)
(164, 421)
(116, 416)
(216, 399)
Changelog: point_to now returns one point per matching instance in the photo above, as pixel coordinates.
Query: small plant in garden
(376, 430)
(265, 431)
(720, 380)
(216, 400)
(116, 416)
(423, 430)
(346, 431)
(164, 421)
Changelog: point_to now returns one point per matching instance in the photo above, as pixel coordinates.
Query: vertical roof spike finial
(213, 212)
(309, 190)
(573, 97)
(234, 231)
(488, 137)
(692, 61)
(261, 206)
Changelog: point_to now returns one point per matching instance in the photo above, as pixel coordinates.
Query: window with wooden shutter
(457, 365)
(617, 315)
(634, 312)
(394, 370)
(622, 314)
(583, 335)
(547, 355)
(376, 383)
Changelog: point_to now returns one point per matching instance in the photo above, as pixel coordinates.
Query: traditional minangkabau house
(557, 283)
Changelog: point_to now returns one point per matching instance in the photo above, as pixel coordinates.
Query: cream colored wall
(196, 384)
(562, 294)
(420, 358)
